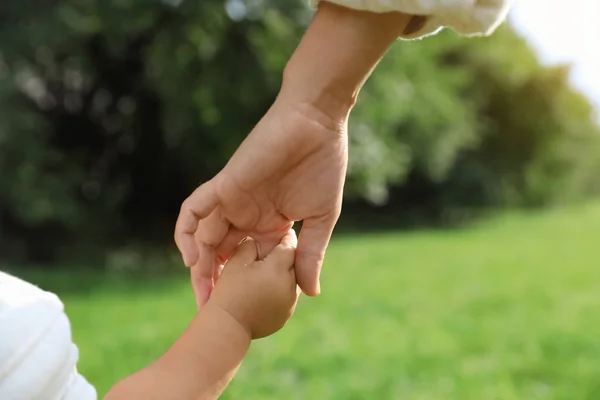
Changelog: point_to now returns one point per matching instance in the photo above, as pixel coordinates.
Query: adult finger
(225, 250)
(202, 283)
(229, 244)
(210, 233)
(312, 244)
(196, 207)
(283, 254)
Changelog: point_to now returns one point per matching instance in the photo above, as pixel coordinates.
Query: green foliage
(541, 140)
(113, 111)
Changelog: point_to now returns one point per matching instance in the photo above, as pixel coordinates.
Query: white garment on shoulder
(38, 360)
(467, 17)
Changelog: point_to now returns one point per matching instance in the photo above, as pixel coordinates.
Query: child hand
(260, 295)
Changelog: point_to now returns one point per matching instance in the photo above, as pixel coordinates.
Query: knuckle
(310, 258)
(185, 208)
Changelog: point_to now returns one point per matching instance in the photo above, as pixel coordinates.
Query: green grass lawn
(509, 309)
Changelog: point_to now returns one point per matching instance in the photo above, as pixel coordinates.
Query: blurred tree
(113, 111)
(540, 136)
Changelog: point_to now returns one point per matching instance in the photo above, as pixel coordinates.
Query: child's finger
(245, 254)
(229, 244)
(284, 253)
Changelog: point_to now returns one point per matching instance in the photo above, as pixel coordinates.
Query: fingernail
(188, 258)
(414, 25)
(259, 254)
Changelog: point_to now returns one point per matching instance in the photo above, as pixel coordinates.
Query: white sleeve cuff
(467, 17)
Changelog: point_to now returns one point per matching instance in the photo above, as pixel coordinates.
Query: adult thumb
(312, 244)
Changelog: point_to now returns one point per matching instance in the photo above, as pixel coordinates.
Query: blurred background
(464, 264)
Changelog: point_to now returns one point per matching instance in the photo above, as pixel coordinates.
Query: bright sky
(565, 31)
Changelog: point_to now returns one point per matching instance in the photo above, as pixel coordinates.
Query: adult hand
(291, 167)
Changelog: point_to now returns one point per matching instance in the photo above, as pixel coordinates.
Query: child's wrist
(221, 312)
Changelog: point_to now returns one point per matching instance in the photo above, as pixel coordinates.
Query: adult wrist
(326, 101)
(337, 54)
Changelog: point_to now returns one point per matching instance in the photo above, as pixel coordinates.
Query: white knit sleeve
(37, 356)
(467, 17)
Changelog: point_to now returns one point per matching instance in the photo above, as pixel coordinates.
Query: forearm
(199, 366)
(336, 56)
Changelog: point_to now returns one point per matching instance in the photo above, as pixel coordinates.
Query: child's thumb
(245, 254)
